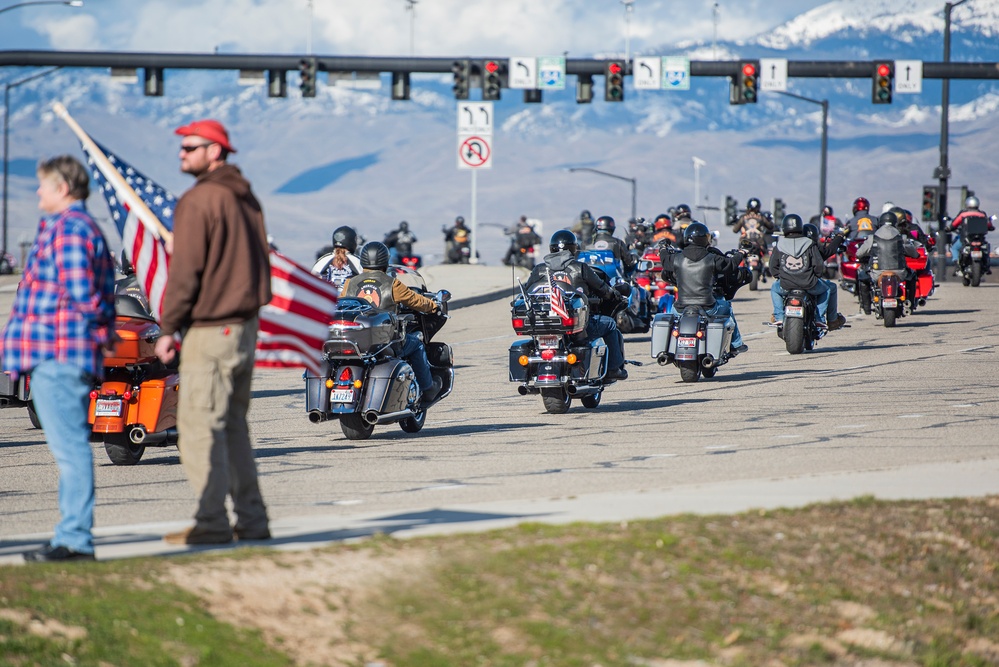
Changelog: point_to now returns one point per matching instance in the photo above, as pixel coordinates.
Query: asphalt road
(912, 410)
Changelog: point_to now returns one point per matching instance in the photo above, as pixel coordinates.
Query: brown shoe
(252, 535)
(837, 322)
(195, 535)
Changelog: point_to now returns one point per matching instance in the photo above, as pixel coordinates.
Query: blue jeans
(833, 305)
(416, 355)
(601, 326)
(955, 249)
(722, 308)
(820, 292)
(61, 393)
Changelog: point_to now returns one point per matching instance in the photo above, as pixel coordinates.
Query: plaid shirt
(65, 300)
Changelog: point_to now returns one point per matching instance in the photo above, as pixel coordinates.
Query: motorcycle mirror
(644, 265)
(444, 296)
(994, 218)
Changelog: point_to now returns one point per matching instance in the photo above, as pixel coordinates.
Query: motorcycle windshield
(602, 260)
(409, 277)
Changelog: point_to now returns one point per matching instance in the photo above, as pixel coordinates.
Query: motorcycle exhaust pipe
(522, 390)
(317, 416)
(371, 417)
(140, 436)
(708, 361)
(662, 360)
(137, 435)
(922, 302)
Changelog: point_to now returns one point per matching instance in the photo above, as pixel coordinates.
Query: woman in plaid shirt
(59, 325)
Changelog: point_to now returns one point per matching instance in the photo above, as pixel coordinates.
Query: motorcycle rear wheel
(890, 318)
(976, 274)
(755, 282)
(556, 401)
(121, 450)
(33, 416)
(709, 372)
(794, 335)
(689, 371)
(592, 401)
(355, 428)
(414, 424)
(864, 295)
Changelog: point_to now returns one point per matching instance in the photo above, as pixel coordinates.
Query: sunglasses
(191, 149)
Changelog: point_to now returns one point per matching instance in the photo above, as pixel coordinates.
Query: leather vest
(887, 253)
(695, 282)
(374, 287)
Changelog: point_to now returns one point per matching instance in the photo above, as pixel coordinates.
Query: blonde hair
(340, 258)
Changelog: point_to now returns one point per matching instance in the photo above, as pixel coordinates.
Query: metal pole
(825, 155)
(633, 181)
(943, 171)
(473, 259)
(634, 199)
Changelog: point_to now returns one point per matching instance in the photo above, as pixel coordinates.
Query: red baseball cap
(209, 129)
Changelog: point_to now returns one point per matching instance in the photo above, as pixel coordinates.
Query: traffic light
(307, 69)
(883, 82)
(747, 81)
(731, 210)
(492, 79)
(930, 202)
(965, 193)
(462, 73)
(779, 210)
(584, 89)
(400, 85)
(153, 82)
(277, 83)
(614, 77)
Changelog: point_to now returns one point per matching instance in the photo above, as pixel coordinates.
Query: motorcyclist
(637, 238)
(681, 219)
(454, 238)
(583, 229)
(753, 225)
(886, 250)
(827, 249)
(340, 265)
(523, 236)
(400, 242)
(796, 263)
(827, 222)
(971, 210)
(604, 239)
(662, 229)
(862, 224)
(386, 293)
(564, 267)
(696, 270)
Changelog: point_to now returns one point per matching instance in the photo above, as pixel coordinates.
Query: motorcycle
(889, 298)
(555, 360)
(755, 262)
(799, 330)
(974, 258)
(17, 394)
(411, 261)
(136, 405)
(637, 317)
(366, 383)
(458, 250)
(692, 341)
(925, 283)
(648, 276)
(849, 267)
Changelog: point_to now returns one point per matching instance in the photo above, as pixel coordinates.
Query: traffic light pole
(823, 169)
(633, 181)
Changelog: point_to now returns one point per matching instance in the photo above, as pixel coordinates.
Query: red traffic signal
(883, 82)
(492, 66)
(614, 68)
(884, 70)
(614, 81)
(749, 69)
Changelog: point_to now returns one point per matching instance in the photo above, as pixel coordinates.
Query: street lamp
(825, 144)
(698, 163)
(6, 141)
(633, 181)
(942, 172)
(68, 3)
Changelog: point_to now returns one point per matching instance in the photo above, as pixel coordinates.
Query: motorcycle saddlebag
(662, 324)
(718, 338)
(518, 373)
(388, 386)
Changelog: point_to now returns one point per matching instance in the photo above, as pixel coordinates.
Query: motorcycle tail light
(523, 360)
(676, 333)
(568, 322)
(547, 355)
(93, 394)
(795, 302)
(329, 383)
(357, 384)
(127, 395)
(700, 334)
(345, 324)
(346, 375)
(518, 323)
(571, 359)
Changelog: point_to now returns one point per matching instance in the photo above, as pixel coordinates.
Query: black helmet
(585, 215)
(697, 234)
(682, 211)
(605, 223)
(888, 218)
(753, 204)
(403, 226)
(460, 220)
(811, 231)
(374, 255)
(827, 210)
(563, 239)
(792, 225)
(345, 237)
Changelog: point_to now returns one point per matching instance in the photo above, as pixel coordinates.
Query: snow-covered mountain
(356, 157)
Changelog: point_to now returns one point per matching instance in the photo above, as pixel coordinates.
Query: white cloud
(70, 33)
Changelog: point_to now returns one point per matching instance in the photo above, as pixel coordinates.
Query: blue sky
(383, 27)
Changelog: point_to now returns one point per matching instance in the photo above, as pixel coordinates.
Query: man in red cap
(219, 278)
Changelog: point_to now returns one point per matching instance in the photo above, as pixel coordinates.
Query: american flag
(143, 249)
(556, 303)
(293, 325)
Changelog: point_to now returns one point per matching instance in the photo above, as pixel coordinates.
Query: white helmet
(971, 202)
(887, 207)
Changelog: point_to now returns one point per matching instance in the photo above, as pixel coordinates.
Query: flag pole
(133, 200)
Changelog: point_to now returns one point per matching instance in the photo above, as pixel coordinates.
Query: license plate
(794, 311)
(548, 341)
(976, 254)
(342, 396)
(890, 303)
(687, 342)
(108, 407)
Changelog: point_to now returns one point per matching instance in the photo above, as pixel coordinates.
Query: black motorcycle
(755, 261)
(555, 360)
(974, 258)
(366, 382)
(800, 330)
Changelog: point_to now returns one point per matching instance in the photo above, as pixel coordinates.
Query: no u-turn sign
(474, 152)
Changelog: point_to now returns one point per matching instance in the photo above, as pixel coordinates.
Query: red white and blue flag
(144, 250)
(556, 302)
(293, 326)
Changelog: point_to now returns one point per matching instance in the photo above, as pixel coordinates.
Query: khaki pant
(216, 366)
